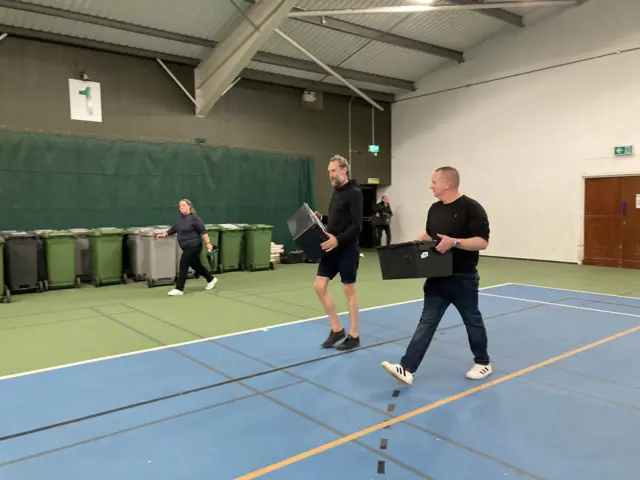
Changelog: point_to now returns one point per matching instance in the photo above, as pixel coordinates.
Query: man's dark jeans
(461, 290)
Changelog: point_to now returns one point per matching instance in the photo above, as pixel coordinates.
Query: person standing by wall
(191, 231)
(382, 221)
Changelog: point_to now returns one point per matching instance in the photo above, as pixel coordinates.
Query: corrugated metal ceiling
(214, 20)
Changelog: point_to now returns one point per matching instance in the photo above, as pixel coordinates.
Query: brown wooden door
(630, 230)
(612, 222)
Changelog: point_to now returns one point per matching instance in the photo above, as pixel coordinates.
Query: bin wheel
(78, 282)
(46, 285)
(124, 278)
(252, 267)
(272, 266)
(150, 283)
(40, 287)
(220, 269)
(96, 282)
(7, 295)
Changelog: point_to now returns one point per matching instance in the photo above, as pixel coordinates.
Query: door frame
(583, 181)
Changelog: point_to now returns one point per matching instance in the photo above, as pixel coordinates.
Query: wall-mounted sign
(85, 100)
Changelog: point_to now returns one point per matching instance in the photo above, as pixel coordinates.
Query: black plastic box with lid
(308, 232)
(414, 260)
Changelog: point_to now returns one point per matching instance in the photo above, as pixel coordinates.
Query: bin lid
(212, 227)
(79, 231)
(229, 226)
(138, 230)
(40, 232)
(260, 226)
(58, 234)
(105, 231)
(152, 232)
(21, 235)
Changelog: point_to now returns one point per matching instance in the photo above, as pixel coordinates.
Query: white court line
(562, 305)
(201, 340)
(575, 291)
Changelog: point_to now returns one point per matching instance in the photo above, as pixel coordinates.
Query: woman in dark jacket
(191, 232)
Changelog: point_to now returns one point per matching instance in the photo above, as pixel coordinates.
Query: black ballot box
(414, 260)
(308, 232)
(380, 221)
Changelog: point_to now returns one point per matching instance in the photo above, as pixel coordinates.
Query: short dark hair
(451, 174)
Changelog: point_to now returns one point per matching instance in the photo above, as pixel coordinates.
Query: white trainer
(478, 372)
(211, 284)
(399, 372)
(175, 292)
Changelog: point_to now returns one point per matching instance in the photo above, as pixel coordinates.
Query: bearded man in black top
(459, 223)
(342, 252)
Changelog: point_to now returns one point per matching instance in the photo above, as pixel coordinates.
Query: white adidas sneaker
(175, 292)
(211, 284)
(478, 372)
(399, 372)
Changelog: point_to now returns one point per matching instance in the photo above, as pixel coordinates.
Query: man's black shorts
(343, 260)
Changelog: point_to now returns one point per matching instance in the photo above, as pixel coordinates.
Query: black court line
(194, 390)
(273, 400)
(213, 385)
(607, 303)
(395, 394)
(146, 424)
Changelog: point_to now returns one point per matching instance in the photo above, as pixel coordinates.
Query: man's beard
(336, 182)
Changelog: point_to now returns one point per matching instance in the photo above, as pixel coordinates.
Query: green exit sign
(623, 150)
(374, 149)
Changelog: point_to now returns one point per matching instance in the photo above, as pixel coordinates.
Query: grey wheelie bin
(106, 256)
(136, 252)
(5, 296)
(231, 237)
(257, 247)
(21, 262)
(83, 254)
(60, 254)
(159, 256)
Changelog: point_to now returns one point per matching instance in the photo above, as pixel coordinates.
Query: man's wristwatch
(456, 244)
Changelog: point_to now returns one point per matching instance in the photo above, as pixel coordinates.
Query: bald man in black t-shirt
(459, 223)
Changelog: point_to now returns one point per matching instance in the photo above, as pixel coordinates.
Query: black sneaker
(349, 343)
(333, 338)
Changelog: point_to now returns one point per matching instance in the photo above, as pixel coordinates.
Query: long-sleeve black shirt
(345, 213)
(189, 229)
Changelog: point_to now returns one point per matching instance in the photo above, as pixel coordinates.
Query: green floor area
(59, 327)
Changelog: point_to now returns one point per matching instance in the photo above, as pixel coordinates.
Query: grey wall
(140, 101)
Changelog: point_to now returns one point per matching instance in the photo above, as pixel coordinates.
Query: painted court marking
(445, 401)
(540, 302)
(208, 339)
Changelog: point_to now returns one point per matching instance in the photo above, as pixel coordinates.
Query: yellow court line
(426, 408)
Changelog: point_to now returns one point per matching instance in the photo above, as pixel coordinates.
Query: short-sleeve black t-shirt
(462, 218)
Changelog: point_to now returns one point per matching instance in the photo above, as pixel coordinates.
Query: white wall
(523, 143)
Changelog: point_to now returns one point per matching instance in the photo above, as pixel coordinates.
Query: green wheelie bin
(214, 237)
(230, 247)
(257, 239)
(106, 256)
(5, 296)
(60, 252)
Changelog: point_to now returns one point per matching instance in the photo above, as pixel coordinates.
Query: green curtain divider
(59, 182)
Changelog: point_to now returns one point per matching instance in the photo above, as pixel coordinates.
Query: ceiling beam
(381, 36)
(247, 74)
(497, 13)
(224, 63)
(303, 83)
(262, 57)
